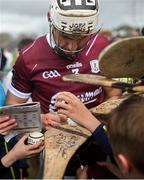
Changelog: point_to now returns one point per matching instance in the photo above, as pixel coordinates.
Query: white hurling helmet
(75, 16)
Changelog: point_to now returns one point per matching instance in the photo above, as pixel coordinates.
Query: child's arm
(69, 105)
(21, 151)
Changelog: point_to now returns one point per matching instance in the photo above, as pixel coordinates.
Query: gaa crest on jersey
(51, 74)
(94, 66)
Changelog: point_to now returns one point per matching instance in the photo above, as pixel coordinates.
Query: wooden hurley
(88, 79)
(106, 107)
(60, 145)
(62, 142)
(124, 58)
(102, 81)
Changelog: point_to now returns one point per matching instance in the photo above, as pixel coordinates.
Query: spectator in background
(7, 78)
(2, 92)
(142, 31)
(3, 60)
(124, 31)
(9, 63)
(23, 43)
(2, 95)
(141, 81)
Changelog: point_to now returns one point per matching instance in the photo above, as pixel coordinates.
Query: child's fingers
(35, 146)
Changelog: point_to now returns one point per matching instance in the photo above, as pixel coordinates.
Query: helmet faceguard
(70, 55)
(75, 19)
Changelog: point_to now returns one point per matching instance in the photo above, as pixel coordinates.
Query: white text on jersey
(51, 74)
(76, 65)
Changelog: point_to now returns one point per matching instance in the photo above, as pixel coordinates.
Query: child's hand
(70, 106)
(112, 168)
(22, 151)
(6, 124)
(81, 173)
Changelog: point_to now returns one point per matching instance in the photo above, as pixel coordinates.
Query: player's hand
(52, 119)
(6, 124)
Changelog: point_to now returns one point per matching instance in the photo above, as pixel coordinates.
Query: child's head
(126, 134)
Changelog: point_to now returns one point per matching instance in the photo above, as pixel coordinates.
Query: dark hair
(126, 130)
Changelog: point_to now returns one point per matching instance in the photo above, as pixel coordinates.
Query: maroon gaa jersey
(39, 70)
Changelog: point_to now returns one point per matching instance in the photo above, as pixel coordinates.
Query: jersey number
(75, 71)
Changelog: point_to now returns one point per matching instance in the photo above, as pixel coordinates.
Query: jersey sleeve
(21, 83)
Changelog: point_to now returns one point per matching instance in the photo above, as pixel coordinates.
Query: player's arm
(12, 99)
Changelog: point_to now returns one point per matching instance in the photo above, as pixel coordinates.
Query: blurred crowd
(8, 59)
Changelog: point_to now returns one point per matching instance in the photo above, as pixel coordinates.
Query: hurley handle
(102, 81)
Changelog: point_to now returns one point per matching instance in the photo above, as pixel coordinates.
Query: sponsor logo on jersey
(76, 65)
(91, 96)
(50, 74)
(86, 98)
(94, 66)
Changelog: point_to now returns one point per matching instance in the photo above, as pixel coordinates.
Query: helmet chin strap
(61, 53)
